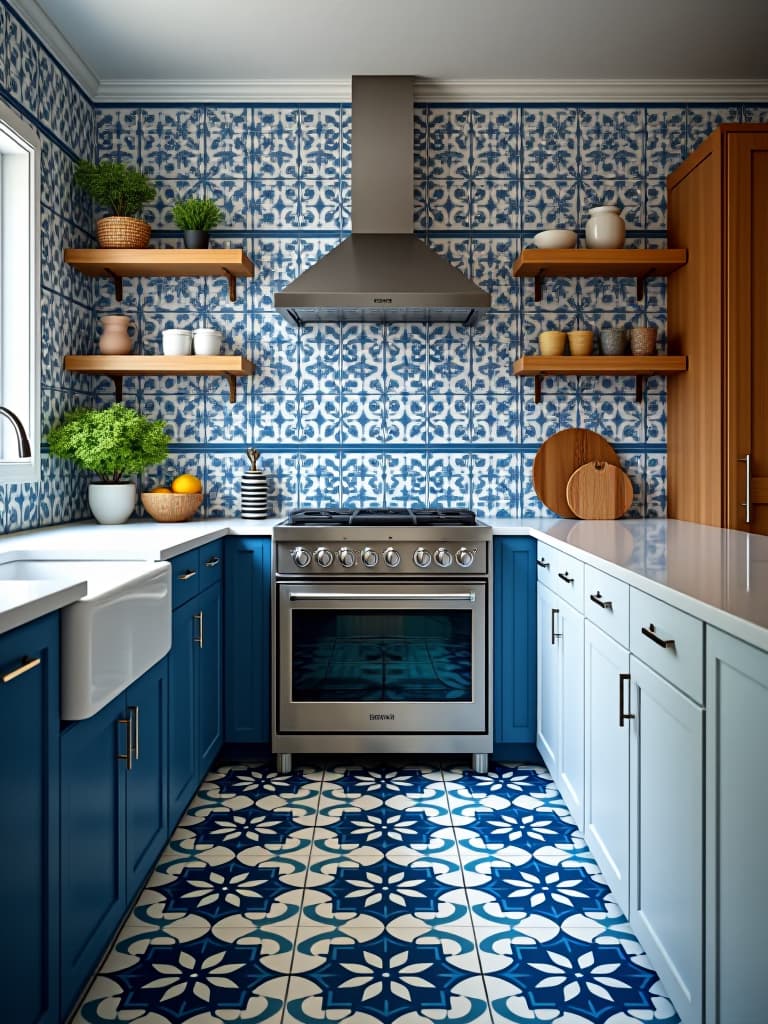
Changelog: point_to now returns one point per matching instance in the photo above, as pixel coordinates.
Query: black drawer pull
(600, 602)
(187, 575)
(212, 562)
(651, 633)
(542, 564)
(566, 578)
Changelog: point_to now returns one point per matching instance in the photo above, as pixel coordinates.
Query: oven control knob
(369, 558)
(347, 557)
(391, 558)
(421, 558)
(324, 557)
(301, 557)
(443, 557)
(465, 557)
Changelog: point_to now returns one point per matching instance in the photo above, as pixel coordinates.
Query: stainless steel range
(381, 638)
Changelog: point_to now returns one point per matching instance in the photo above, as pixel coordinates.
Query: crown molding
(458, 90)
(50, 37)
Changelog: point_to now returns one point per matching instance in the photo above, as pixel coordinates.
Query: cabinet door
(92, 841)
(548, 679)
(209, 697)
(514, 640)
(667, 815)
(737, 812)
(571, 669)
(247, 585)
(29, 783)
(146, 812)
(607, 744)
(182, 712)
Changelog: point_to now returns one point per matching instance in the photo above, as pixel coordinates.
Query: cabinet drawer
(606, 603)
(211, 563)
(186, 576)
(670, 641)
(562, 573)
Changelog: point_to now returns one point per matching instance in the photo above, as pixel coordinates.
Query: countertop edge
(53, 598)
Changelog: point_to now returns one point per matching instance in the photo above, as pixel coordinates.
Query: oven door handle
(339, 596)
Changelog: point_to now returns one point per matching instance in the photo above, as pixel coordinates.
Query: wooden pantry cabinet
(717, 438)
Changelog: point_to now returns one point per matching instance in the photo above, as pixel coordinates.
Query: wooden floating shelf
(599, 366)
(117, 367)
(119, 263)
(637, 263)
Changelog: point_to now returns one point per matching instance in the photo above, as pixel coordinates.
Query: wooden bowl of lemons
(174, 504)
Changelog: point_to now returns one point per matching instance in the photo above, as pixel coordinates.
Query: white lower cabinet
(607, 758)
(737, 810)
(560, 715)
(666, 855)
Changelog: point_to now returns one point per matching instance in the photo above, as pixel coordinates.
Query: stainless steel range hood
(382, 272)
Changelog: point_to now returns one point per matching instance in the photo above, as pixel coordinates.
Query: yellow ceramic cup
(581, 343)
(552, 343)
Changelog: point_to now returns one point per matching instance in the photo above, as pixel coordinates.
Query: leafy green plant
(118, 188)
(197, 214)
(110, 442)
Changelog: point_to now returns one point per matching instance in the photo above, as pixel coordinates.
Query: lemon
(187, 483)
(161, 490)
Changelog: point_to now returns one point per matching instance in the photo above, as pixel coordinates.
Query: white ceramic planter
(112, 503)
(605, 228)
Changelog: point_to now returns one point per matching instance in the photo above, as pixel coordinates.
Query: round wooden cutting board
(599, 490)
(559, 457)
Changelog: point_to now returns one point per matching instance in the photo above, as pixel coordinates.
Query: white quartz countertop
(21, 601)
(721, 576)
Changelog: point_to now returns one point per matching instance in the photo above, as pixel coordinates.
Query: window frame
(27, 307)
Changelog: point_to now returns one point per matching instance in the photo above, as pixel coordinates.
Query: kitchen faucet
(21, 435)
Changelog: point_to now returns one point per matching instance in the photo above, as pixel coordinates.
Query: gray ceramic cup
(614, 341)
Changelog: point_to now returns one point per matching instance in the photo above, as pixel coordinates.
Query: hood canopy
(382, 272)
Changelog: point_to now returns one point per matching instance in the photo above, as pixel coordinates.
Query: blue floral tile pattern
(381, 891)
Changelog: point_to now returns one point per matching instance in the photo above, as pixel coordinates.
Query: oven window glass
(382, 656)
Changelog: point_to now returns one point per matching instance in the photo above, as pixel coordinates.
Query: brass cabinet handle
(128, 756)
(566, 578)
(25, 666)
(187, 575)
(134, 712)
(624, 677)
(651, 633)
(540, 562)
(212, 562)
(198, 617)
(600, 601)
(555, 635)
(747, 505)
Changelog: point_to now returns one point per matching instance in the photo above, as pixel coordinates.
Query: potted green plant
(112, 443)
(196, 217)
(124, 191)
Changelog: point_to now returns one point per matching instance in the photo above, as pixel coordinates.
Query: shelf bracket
(118, 382)
(639, 389)
(537, 285)
(232, 387)
(640, 281)
(537, 389)
(232, 289)
(117, 281)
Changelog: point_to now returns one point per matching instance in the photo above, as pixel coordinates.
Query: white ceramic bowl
(177, 342)
(555, 238)
(207, 341)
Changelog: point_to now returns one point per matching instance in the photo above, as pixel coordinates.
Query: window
(19, 299)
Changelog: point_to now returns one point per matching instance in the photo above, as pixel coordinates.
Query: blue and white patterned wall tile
(405, 480)
(275, 418)
(320, 478)
(611, 142)
(449, 360)
(362, 479)
(529, 501)
(755, 114)
(618, 418)
(227, 142)
(174, 465)
(405, 351)
(172, 141)
(491, 266)
(557, 410)
(496, 483)
(22, 507)
(448, 204)
(364, 418)
(183, 414)
(655, 476)
(362, 359)
(282, 471)
(625, 192)
(550, 142)
(275, 204)
(222, 483)
(448, 417)
(702, 121)
(496, 419)
(666, 141)
(449, 155)
(449, 479)
(406, 418)
(550, 203)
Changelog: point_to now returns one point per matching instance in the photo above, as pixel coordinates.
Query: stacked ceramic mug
(253, 490)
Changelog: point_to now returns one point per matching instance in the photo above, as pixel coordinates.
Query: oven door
(396, 659)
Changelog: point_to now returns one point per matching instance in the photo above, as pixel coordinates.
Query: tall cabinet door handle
(128, 755)
(198, 617)
(624, 677)
(554, 635)
(747, 505)
(133, 710)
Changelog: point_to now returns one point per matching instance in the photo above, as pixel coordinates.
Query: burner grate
(381, 517)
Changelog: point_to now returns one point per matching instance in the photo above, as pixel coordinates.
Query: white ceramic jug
(605, 228)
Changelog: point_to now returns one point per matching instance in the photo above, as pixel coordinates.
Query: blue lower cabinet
(514, 645)
(29, 789)
(113, 819)
(247, 582)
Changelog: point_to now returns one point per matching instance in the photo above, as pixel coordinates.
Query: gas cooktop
(381, 517)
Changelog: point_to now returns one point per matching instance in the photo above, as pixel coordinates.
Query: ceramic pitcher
(115, 340)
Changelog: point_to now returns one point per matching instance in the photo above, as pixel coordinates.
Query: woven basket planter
(123, 233)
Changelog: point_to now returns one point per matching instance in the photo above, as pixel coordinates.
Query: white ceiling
(224, 40)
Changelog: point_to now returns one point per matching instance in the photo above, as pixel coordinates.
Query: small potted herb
(196, 217)
(124, 191)
(112, 443)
